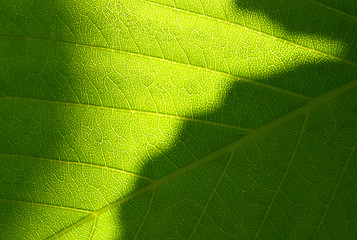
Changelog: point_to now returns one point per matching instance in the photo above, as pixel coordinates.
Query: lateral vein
(258, 32)
(146, 214)
(277, 191)
(343, 171)
(79, 164)
(233, 77)
(209, 200)
(46, 205)
(130, 111)
(333, 9)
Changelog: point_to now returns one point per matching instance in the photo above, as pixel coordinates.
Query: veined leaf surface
(163, 119)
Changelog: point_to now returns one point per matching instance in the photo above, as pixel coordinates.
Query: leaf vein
(78, 164)
(266, 215)
(258, 32)
(209, 200)
(130, 111)
(343, 171)
(333, 9)
(234, 77)
(146, 214)
(46, 205)
(153, 185)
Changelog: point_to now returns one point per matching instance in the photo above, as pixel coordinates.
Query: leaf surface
(162, 119)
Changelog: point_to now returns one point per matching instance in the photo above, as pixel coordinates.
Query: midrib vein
(234, 77)
(129, 111)
(46, 205)
(258, 32)
(229, 148)
(77, 164)
(343, 171)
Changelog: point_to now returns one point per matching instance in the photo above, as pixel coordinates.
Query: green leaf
(163, 119)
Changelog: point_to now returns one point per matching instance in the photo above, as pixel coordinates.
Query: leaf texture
(163, 119)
